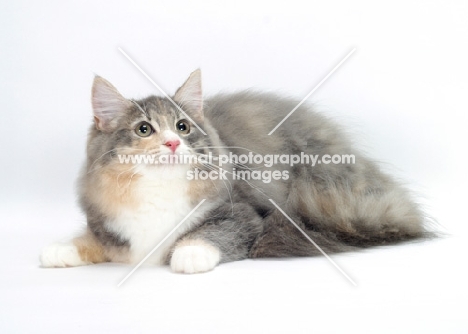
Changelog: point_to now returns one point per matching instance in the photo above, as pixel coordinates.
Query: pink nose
(172, 144)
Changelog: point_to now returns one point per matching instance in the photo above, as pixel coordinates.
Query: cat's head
(149, 129)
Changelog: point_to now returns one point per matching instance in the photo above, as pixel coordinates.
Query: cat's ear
(108, 104)
(189, 96)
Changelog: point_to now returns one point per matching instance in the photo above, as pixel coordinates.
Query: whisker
(214, 168)
(90, 167)
(131, 179)
(123, 152)
(238, 147)
(249, 183)
(125, 171)
(233, 163)
(225, 185)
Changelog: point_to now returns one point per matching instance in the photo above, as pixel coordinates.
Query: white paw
(196, 257)
(61, 255)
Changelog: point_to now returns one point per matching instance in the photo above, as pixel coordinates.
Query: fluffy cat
(130, 208)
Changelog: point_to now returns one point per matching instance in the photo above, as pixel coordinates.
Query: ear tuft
(108, 104)
(189, 96)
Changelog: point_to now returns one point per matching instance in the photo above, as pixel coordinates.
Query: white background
(403, 94)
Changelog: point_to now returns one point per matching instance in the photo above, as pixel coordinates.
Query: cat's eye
(144, 129)
(183, 126)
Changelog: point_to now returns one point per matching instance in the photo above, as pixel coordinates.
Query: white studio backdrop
(402, 94)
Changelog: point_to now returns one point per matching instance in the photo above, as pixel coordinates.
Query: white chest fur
(164, 202)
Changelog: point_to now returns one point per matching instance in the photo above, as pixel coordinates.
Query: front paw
(61, 255)
(194, 256)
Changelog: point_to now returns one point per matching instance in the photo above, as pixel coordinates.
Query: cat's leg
(194, 255)
(82, 250)
(226, 235)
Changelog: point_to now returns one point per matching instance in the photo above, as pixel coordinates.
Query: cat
(131, 207)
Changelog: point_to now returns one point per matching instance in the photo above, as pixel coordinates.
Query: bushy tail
(281, 238)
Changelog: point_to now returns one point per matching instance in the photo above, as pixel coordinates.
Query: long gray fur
(341, 207)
